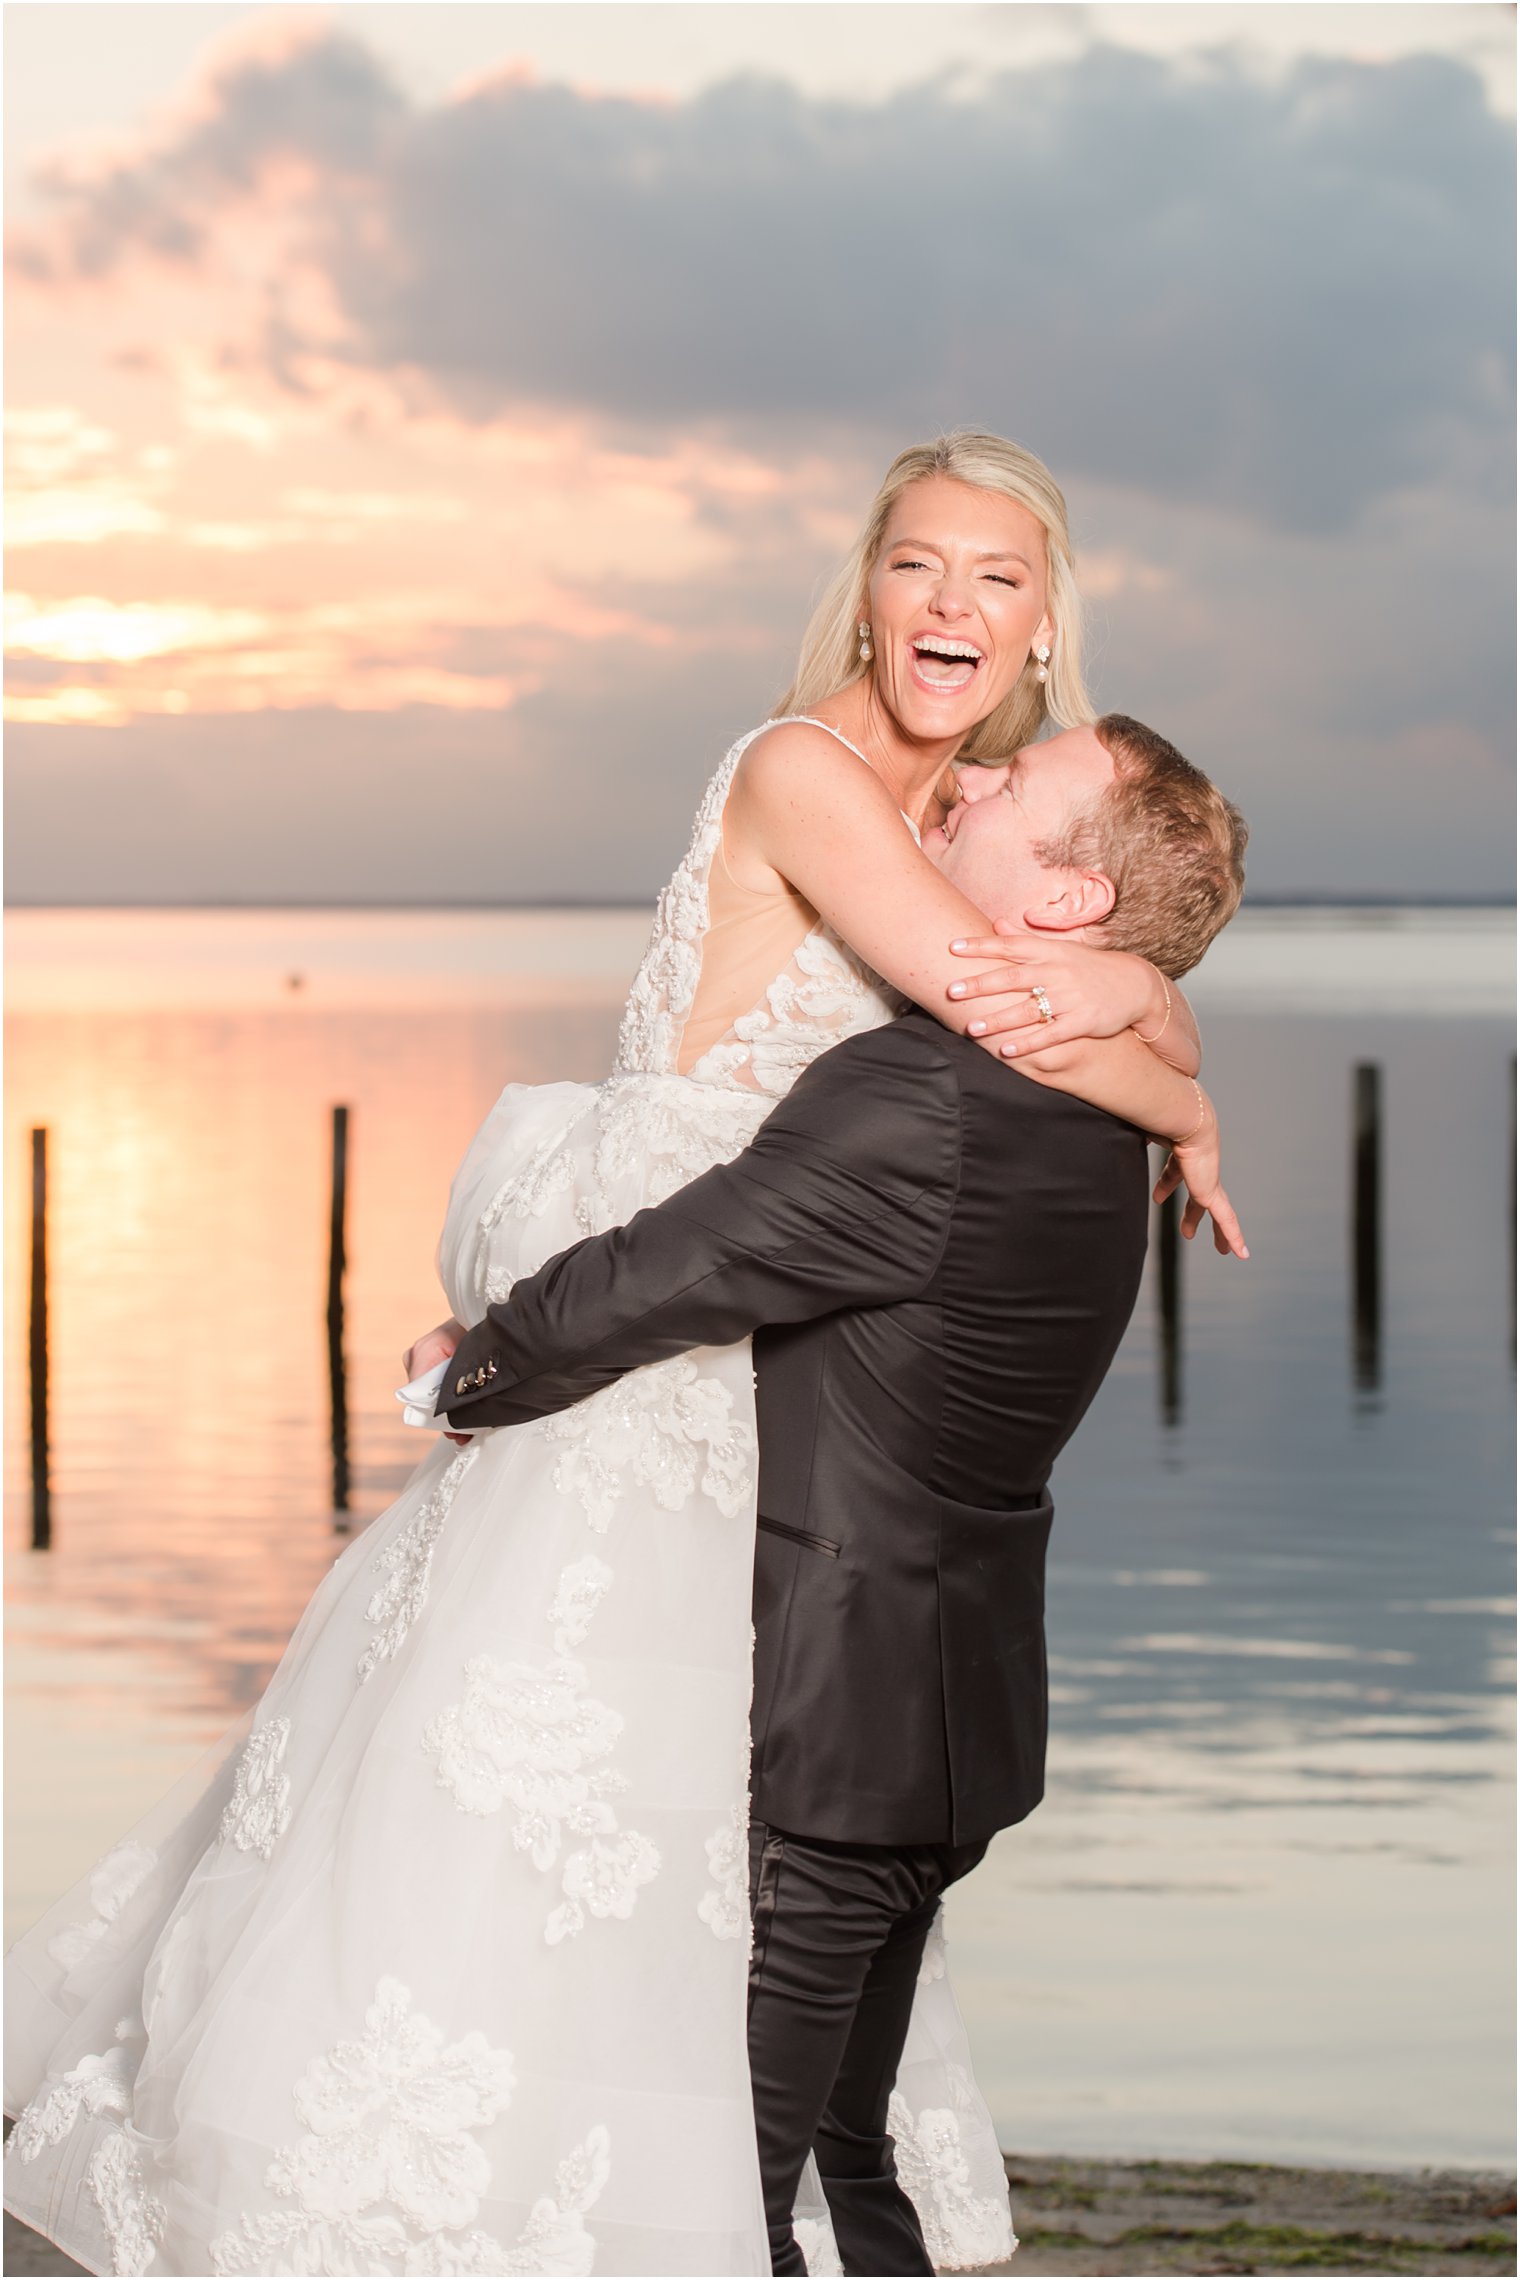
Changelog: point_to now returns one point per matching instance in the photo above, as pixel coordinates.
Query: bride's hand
(433, 1347)
(1091, 992)
(1194, 1164)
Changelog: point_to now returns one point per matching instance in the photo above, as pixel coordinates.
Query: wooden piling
(337, 1260)
(37, 1341)
(1169, 1306)
(1367, 1226)
(1512, 1200)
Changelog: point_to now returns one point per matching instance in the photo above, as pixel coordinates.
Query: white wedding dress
(437, 1964)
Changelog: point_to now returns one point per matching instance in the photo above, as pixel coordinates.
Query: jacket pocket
(805, 1536)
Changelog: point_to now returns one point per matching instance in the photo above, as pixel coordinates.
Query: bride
(437, 1965)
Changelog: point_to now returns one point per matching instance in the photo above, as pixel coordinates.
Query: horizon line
(1304, 898)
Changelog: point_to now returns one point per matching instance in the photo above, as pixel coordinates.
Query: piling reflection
(37, 1349)
(337, 1369)
(1367, 1227)
(1168, 1241)
(1513, 1188)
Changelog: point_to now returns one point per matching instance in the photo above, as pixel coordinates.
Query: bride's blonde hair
(830, 657)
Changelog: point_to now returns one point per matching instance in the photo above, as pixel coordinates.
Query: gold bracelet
(1203, 1116)
(1166, 993)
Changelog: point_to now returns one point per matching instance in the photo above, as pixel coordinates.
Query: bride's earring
(866, 651)
(1042, 659)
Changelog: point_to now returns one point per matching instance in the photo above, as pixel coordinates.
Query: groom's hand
(434, 1346)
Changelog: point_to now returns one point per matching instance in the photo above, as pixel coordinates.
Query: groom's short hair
(1170, 842)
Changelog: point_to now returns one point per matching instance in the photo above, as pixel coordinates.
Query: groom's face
(988, 841)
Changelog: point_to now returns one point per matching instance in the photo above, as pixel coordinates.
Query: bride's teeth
(959, 661)
(929, 646)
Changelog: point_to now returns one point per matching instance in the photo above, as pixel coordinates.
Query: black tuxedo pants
(839, 1937)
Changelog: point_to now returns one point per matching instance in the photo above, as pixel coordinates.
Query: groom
(937, 1258)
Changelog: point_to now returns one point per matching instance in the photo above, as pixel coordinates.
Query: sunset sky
(426, 425)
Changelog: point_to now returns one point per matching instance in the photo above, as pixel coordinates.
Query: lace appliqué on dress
(665, 986)
(604, 1880)
(112, 1884)
(819, 2253)
(960, 2227)
(133, 2219)
(529, 1193)
(407, 1564)
(659, 1133)
(258, 1812)
(554, 2239)
(534, 1736)
(824, 996)
(670, 1134)
(390, 2117)
(662, 1427)
(101, 2084)
(724, 1907)
(582, 1588)
(389, 2176)
(97, 2085)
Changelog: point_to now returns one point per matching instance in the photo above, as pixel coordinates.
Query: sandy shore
(1135, 2217)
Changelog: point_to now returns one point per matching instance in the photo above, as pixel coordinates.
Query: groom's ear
(1077, 899)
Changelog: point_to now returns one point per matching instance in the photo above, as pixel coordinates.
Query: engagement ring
(1047, 1012)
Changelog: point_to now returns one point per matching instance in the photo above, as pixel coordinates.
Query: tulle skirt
(437, 1963)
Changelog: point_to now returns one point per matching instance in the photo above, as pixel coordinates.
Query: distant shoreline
(1308, 900)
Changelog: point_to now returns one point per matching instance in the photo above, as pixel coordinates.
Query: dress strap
(813, 721)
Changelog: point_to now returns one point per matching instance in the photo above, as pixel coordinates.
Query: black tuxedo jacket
(937, 1257)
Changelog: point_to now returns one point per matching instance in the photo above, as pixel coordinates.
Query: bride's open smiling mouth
(942, 665)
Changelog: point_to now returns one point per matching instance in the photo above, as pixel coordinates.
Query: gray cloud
(1287, 296)
(1260, 329)
(1351, 693)
(326, 100)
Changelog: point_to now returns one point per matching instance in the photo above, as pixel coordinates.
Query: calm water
(1265, 1909)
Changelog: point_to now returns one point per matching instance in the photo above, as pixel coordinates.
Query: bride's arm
(816, 814)
(1079, 980)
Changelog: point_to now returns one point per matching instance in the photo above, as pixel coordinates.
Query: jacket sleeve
(842, 1199)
